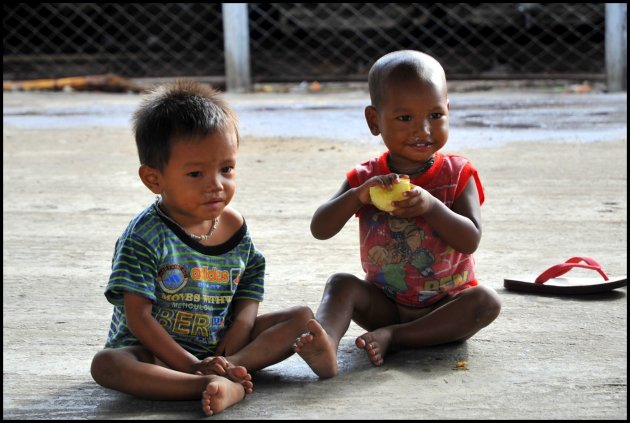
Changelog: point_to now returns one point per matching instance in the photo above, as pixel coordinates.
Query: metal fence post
(236, 43)
(616, 46)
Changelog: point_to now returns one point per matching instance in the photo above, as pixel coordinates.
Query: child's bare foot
(240, 375)
(220, 394)
(375, 344)
(220, 366)
(318, 350)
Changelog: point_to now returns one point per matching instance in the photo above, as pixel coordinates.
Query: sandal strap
(562, 268)
(586, 260)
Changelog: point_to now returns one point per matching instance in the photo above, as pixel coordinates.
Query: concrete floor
(66, 194)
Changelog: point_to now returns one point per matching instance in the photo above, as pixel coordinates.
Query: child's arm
(239, 334)
(331, 216)
(460, 226)
(154, 337)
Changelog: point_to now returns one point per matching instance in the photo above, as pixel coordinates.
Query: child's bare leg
(456, 319)
(345, 298)
(132, 370)
(272, 338)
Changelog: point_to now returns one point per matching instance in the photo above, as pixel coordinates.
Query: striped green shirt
(191, 285)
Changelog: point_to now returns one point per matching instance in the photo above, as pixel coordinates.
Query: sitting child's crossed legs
(135, 371)
(390, 327)
(224, 382)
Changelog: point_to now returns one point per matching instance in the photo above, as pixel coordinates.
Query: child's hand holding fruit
(395, 194)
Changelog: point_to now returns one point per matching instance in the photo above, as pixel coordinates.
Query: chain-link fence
(482, 40)
(49, 40)
(300, 41)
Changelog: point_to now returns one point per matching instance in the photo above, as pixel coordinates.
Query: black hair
(183, 110)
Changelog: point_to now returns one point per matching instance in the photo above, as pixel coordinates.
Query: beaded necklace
(215, 223)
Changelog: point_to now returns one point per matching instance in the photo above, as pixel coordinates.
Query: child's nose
(213, 183)
(423, 127)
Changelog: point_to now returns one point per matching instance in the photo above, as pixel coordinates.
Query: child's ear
(371, 117)
(150, 178)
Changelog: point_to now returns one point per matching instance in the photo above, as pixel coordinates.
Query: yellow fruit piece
(382, 198)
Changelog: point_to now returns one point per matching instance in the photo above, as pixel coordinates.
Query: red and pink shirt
(404, 257)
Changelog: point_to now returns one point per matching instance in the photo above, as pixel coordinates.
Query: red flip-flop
(550, 282)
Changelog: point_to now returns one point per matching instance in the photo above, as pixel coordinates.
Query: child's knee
(110, 365)
(103, 367)
(489, 305)
(302, 313)
(341, 282)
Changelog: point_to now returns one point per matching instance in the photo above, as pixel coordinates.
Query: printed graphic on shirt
(408, 263)
(399, 252)
(172, 278)
(186, 307)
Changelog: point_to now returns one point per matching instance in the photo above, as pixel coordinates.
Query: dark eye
(227, 169)
(436, 116)
(404, 118)
(194, 174)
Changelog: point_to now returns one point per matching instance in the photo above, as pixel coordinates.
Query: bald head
(403, 66)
